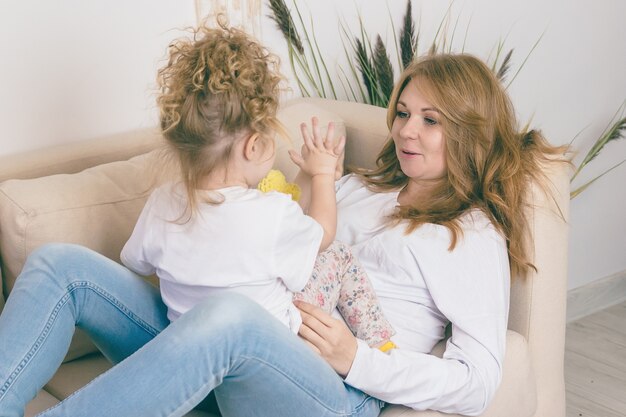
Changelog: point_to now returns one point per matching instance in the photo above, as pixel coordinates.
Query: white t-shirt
(422, 286)
(257, 244)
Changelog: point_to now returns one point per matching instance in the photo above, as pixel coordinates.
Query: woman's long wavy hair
(490, 164)
(218, 86)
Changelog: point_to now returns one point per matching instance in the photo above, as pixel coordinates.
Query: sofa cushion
(75, 374)
(42, 401)
(96, 208)
(99, 206)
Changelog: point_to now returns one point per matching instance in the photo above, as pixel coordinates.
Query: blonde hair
(217, 87)
(489, 163)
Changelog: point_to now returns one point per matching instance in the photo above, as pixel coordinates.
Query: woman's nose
(410, 130)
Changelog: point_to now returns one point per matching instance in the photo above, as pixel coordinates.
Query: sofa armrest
(516, 396)
(538, 301)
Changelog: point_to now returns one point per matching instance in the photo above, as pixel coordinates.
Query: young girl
(214, 232)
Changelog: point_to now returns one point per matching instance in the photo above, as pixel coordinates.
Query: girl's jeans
(228, 344)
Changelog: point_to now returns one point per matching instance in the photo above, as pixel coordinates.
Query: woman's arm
(328, 336)
(470, 286)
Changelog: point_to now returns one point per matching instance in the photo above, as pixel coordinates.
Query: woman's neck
(416, 191)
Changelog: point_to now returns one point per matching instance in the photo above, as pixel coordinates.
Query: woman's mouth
(409, 153)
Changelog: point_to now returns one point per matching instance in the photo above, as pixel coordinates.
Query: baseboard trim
(596, 296)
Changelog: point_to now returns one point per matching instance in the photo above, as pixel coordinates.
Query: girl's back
(260, 245)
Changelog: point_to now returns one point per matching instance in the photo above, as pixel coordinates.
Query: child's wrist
(323, 175)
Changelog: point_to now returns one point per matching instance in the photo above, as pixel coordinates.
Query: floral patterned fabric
(339, 281)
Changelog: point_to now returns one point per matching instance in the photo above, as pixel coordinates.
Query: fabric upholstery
(77, 156)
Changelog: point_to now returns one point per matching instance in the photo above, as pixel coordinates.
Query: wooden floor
(595, 364)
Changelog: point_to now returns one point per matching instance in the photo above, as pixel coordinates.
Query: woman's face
(418, 136)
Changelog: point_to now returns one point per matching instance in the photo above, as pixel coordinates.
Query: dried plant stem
(347, 85)
(435, 46)
(347, 37)
(466, 33)
(504, 66)
(586, 185)
(395, 38)
(292, 59)
(408, 39)
(614, 131)
(383, 71)
(319, 52)
(525, 59)
(318, 82)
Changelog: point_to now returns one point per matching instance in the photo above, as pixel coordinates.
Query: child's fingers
(296, 157)
(317, 135)
(306, 136)
(341, 146)
(305, 151)
(330, 136)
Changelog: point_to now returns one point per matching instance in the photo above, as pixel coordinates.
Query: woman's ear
(252, 147)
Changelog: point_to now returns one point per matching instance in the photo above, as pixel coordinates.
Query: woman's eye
(430, 121)
(402, 114)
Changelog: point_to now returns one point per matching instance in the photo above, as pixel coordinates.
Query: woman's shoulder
(352, 184)
(476, 221)
(351, 181)
(476, 231)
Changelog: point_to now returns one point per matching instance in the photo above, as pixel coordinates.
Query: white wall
(73, 70)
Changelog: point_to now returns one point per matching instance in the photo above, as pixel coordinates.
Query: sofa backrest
(77, 156)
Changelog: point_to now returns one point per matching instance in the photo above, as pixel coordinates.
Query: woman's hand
(320, 155)
(328, 336)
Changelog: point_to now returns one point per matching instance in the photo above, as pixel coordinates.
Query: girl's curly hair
(217, 87)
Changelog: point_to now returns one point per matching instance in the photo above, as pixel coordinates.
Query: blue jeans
(227, 344)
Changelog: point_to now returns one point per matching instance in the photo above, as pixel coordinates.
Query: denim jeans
(227, 344)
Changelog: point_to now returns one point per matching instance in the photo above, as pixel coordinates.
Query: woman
(438, 226)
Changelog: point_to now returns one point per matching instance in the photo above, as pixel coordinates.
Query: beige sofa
(91, 193)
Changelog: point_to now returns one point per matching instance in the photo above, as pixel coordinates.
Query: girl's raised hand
(320, 155)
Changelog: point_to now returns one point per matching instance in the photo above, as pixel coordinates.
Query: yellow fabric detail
(387, 346)
(275, 181)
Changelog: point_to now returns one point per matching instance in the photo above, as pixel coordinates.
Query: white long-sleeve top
(422, 286)
(257, 244)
